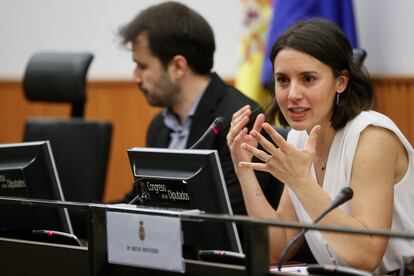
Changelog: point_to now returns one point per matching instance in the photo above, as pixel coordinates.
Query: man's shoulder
(235, 93)
(230, 95)
(156, 121)
(234, 99)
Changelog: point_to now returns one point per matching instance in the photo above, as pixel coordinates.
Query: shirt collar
(171, 119)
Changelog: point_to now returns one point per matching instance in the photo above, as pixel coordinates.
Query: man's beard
(164, 93)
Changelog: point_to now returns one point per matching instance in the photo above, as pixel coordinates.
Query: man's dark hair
(324, 40)
(174, 29)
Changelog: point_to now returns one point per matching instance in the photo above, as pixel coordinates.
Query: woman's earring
(337, 99)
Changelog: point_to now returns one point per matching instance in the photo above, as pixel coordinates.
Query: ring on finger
(268, 159)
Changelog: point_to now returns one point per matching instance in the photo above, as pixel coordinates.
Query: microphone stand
(213, 129)
(344, 196)
(294, 241)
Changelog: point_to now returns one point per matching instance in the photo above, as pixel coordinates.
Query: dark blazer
(219, 99)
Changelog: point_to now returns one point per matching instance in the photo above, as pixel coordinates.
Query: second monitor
(28, 170)
(186, 179)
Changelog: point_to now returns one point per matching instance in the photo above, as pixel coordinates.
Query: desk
(20, 257)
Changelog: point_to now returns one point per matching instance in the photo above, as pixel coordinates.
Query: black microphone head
(219, 123)
(347, 192)
(216, 126)
(344, 195)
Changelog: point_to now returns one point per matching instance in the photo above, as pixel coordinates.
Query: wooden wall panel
(14, 111)
(121, 103)
(395, 98)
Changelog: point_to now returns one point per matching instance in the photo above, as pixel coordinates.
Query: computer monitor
(28, 170)
(187, 179)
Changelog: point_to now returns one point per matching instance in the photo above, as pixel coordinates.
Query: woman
(335, 141)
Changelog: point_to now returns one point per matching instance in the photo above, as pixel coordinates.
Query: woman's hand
(238, 134)
(284, 161)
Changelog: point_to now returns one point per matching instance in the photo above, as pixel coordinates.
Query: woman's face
(305, 89)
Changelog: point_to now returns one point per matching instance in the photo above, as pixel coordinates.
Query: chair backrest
(359, 55)
(81, 151)
(80, 147)
(58, 77)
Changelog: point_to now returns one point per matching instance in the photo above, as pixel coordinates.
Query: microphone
(215, 127)
(344, 195)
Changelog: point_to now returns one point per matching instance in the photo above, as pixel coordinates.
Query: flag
(287, 12)
(251, 54)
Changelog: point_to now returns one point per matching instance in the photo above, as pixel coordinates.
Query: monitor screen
(187, 179)
(28, 170)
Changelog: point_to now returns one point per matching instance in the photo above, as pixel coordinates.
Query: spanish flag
(256, 18)
(287, 12)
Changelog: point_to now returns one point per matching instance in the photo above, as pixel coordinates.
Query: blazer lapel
(205, 112)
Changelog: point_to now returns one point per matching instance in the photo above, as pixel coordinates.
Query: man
(173, 48)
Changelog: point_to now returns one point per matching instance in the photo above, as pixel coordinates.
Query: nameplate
(148, 241)
(12, 181)
(164, 192)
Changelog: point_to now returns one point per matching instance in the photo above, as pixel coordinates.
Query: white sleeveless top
(338, 175)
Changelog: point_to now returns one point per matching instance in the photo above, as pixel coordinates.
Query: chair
(80, 147)
(359, 55)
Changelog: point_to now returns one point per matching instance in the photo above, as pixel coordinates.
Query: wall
(127, 110)
(116, 102)
(29, 26)
(385, 31)
(78, 25)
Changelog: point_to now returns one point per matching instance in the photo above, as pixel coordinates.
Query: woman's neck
(323, 145)
(320, 160)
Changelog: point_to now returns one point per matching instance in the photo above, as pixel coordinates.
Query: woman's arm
(255, 201)
(380, 161)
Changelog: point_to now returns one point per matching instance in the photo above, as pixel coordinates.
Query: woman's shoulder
(380, 132)
(371, 117)
(377, 136)
(368, 119)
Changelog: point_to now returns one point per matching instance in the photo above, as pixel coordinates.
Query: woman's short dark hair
(325, 41)
(174, 29)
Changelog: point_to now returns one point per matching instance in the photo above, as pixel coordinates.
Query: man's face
(151, 77)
